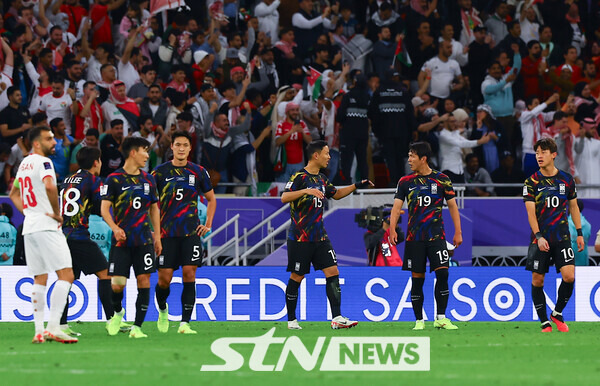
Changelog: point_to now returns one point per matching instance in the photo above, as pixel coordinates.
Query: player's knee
(417, 275)
(143, 281)
(537, 280)
(442, 275)
(188, 273)
(568, 277)
(102, 275)
(118, 282)
(331, 271)
(66, 275)
(296, 277)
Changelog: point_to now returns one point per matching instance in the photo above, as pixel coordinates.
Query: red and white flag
(157, 6)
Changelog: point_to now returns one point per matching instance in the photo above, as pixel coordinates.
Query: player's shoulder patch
(47, 165)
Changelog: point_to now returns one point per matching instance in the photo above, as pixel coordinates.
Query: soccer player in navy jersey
(307, 241)
(132, 195)
(180, 184)
(425, 191)
(79, 198)
(546, 194)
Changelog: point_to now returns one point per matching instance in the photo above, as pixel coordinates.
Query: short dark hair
(321, 47)
(147, 68)
(421, 149)
(92, 132)
(185, 116)
(543, 27)
(44, 52)
(470, 156)
(227, 85)
(4, 148)
(71, 63)
(142, 119)
(7, 209)
(385, 6)
(180, 133)
(54, 28)
(109, 48)
(492, 63)
(511, 24)
(155, 86)
(38, 117)
(115, 122)
(546, 144)
(58, 79)
(36, 132)
(88, 83)
(177, 68)
(315, 147)
(86, 157)
(559, 115)
(106, 66)
(11, 90)
(54, 123)
(532, 43)
(529, 100)
(133, 143)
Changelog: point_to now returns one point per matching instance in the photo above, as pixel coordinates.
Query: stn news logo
(341, 353)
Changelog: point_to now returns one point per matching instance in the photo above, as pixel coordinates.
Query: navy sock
(291, 298)
(105, 295)
(441, 290)
(161, 296)
(539, 302)
(141, 306)
(564, 294)
(416, 296)
(334, 294)
(117, 299)
(188, 298)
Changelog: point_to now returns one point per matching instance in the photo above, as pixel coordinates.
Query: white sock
(38, 295)
(556, 313)
(57, 303)
(440, 316)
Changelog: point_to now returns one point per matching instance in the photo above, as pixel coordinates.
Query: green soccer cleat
(114, 324)
(185, 329)
(136, 333)
(444, 324)
(163, 320)
(125, 327)
(419, 325)
(67, 330)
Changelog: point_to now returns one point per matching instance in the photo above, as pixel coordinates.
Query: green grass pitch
(496, 353)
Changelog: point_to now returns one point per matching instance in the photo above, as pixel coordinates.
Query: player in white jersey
(35, 194)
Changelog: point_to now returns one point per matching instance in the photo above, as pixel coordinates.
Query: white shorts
(46, 251)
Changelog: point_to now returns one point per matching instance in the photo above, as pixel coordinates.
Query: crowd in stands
(254, 81)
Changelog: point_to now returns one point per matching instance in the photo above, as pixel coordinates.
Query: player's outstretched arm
(394, 216)
(453, 208)
(343, 192)
(108, 218)
(15, 196)
(535, 227)
(576, 216)
(293, 196)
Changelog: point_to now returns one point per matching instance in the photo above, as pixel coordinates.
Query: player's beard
(48, 151)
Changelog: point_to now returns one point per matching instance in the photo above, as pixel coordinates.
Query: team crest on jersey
(103, 190)
(192, 180)
(146, 188)
(562, 189)
(434, 188)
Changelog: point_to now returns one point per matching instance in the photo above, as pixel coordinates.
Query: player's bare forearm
(15, 197)
(211, 208)
(107, 216)
(52, 192)
(575, 214)
(155, 219)
(531, 217)
(396, 212)
(453, 209)
(343, 192)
